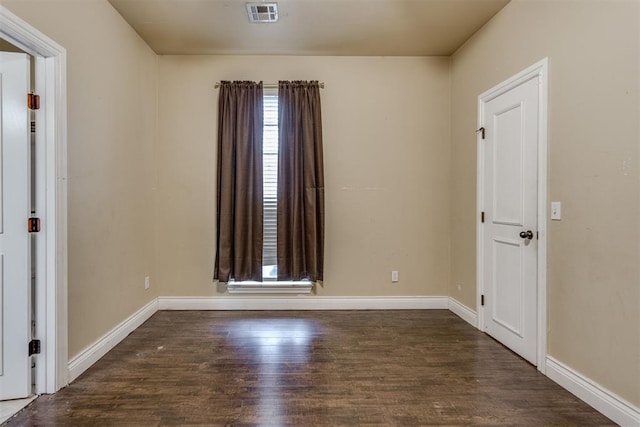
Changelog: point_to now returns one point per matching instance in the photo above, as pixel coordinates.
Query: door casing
(51, 372)
(541, 71)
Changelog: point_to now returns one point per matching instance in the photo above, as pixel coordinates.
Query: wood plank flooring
(311, 368)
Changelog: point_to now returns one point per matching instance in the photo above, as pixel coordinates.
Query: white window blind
(270, 184)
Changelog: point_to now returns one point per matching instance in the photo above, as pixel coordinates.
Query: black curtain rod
(272, 85)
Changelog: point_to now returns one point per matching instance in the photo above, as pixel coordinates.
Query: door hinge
(34, 347)
(34, 225)
(482, 300)
(33, 127)
(33, 101)
(481, 130)
(482, 217)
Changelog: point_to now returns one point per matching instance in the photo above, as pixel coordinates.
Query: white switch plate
(146, 282)
(556, 211)
(394, 276)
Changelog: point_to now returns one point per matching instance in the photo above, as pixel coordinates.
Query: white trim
(598, 397)
(284, 287)
(303, 303)
(463, 312)
(541, 71)
(91, 354)
(479, 228)
(51, 285)
(543, 88)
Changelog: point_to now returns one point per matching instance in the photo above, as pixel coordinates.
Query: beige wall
(111, 75)
(593, 274)
(386, 145)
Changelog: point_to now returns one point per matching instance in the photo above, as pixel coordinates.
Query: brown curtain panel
(300, 182)
(239, 208)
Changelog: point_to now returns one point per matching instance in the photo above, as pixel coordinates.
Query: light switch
(394, 276)
(556, 211)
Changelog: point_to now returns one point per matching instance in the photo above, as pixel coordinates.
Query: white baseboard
(303, 303)
(90, 355)
(464, 312)
(601, 399)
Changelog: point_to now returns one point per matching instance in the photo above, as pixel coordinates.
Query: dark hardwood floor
(311, 368)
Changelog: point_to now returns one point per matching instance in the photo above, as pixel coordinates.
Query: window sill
(269, 287)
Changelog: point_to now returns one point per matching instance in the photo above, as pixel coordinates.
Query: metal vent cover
(262, 12)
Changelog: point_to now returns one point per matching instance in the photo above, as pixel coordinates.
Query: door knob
(526, 234)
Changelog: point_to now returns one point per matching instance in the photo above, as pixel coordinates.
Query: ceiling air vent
(262, 12)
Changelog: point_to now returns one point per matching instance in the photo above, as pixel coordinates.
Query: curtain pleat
(239, 192)
(300, 182)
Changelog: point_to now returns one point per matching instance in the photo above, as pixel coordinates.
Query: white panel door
(510, 153)
(15, 261)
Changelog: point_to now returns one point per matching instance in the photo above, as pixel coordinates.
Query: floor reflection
(274, 337)
(278, 347)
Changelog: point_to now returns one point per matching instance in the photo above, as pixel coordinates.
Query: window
(270, 185)
(271, 240)
(270, 208)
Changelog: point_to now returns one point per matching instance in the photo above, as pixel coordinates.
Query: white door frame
(51, 201)
(538, 70)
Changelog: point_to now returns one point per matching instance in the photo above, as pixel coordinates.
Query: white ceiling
(309, 27)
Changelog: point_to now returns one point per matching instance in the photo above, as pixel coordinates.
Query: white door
(509, 202)
(15, 262)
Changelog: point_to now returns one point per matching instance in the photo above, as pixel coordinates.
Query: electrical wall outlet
(146, 282)
(394, 276)
(459, 287)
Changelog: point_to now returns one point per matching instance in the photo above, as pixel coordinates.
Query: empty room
(304, 212)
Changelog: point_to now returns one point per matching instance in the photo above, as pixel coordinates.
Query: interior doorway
(512, 211)
(50, 201)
